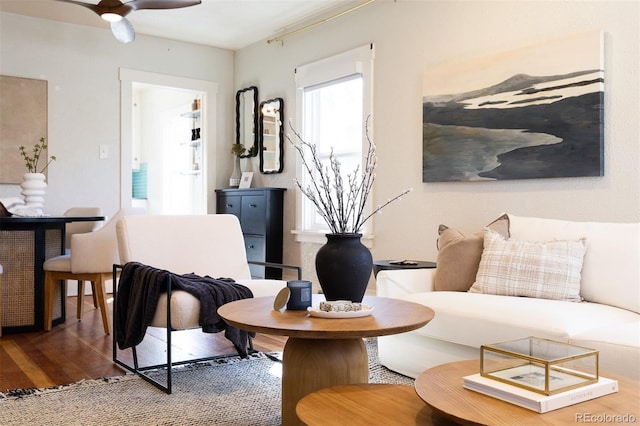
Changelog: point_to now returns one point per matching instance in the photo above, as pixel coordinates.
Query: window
(332, 120)
(333, 101)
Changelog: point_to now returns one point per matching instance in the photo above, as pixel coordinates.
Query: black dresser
(260, 211)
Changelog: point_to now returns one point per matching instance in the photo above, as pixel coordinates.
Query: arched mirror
(247, 120)
(271, 136)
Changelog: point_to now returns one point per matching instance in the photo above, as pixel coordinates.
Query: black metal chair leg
(135, 358)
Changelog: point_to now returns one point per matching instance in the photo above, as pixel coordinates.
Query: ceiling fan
(114, 11)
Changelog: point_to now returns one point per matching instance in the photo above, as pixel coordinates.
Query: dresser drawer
(255, 247)
(252, 215)
(230, 204)
(255, 251)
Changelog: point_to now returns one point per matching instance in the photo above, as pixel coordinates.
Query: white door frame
(127, 79)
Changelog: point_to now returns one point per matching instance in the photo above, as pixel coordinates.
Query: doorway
(167, 151)
(167, 124)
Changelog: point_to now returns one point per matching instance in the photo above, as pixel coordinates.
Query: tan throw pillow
(459, 256)
(545, 270)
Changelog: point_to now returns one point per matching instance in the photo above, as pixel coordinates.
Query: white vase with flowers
(34, 183)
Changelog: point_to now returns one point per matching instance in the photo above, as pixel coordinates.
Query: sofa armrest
(400, 282)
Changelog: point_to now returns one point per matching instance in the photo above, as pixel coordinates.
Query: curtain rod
(315, 24)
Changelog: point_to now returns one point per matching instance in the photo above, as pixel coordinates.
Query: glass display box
(539, 365)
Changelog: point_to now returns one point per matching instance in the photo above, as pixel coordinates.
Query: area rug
(227, 392)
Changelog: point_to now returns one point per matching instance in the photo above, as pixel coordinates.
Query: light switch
(104, 151)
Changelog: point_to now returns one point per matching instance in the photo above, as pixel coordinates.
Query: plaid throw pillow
(545, 270)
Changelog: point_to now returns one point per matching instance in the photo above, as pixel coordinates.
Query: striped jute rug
(228, 392)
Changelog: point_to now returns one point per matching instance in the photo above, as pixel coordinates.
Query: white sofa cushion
(611, 268)
(474, 319)
(547, 270)
(617, 346)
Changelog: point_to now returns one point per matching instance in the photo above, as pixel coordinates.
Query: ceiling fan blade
(161, 4)
(104, 6)
(93, 7)
(122, 9)
(123, 30)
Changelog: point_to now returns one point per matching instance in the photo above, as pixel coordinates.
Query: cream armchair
(210, 245)
(91, 259)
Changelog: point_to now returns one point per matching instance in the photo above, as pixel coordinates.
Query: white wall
(410, 36)
(81, 66)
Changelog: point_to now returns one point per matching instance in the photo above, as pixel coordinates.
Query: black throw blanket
(139, 290)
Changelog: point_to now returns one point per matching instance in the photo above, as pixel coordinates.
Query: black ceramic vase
(343, 266)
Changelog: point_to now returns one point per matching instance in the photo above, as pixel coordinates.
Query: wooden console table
(25, 243)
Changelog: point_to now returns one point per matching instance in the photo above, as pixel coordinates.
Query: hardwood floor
(79, 350)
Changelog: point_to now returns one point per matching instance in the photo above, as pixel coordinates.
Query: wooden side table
(364, 404)
(381, 265)
(323, 352)
(441, 388)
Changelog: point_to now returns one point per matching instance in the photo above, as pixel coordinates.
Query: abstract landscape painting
(532, 113)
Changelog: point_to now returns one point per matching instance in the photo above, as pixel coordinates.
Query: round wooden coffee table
(323, 352)
(441, 388)
(369, 404)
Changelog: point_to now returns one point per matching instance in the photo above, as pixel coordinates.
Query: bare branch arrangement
(31, 161)
(342, 205)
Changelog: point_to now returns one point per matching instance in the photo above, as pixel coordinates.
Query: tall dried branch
(343, 208)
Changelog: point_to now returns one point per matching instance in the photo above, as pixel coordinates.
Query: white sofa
(608, 318)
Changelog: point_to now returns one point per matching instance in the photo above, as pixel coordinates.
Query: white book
(535, 401)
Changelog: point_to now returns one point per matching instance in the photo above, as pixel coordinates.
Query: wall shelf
(192, 114)
(193, 143)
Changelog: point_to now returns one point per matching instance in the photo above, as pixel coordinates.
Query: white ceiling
(228, 24)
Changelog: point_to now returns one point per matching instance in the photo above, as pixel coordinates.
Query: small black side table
(380, 265)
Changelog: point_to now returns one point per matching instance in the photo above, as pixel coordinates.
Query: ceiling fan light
(111, 17)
